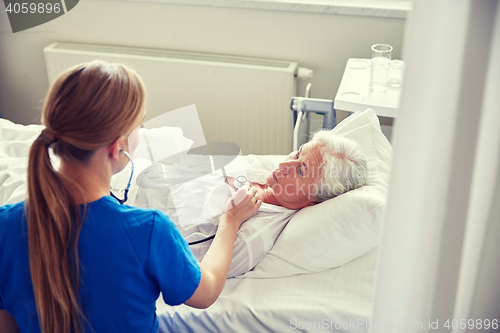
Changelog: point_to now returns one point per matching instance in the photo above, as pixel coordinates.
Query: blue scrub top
(127, 256)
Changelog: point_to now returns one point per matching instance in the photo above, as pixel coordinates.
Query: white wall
(322, 42)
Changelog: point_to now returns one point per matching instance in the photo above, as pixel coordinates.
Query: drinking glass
(396, 73)
(381, 60)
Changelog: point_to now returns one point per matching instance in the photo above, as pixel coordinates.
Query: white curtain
(440, 256)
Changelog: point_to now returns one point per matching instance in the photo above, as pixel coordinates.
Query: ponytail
(53, 250)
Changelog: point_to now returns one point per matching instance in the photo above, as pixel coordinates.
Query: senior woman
(321, 169)
(72, 258)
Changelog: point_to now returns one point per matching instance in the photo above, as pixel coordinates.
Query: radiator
(240, 100)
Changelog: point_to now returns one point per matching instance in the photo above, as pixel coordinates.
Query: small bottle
(396, 73)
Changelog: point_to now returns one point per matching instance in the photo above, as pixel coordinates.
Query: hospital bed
(316, 276)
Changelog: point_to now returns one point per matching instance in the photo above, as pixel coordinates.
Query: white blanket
(199, 202)
(336, 300)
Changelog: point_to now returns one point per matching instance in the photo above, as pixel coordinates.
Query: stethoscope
(238, 183)
(125, 197)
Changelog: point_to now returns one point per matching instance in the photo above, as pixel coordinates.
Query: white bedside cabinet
(355, 95)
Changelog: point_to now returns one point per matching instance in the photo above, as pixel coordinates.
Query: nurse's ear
(115, 148)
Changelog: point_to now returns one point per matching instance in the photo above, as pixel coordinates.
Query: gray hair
(344, 165)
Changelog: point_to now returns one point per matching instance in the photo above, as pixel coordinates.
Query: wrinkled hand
(242, 205)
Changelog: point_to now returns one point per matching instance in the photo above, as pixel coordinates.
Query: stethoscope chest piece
(239, 182)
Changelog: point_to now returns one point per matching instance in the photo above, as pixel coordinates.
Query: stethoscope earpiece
(125, 153)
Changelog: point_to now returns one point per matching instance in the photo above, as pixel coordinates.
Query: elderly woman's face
(296, 178)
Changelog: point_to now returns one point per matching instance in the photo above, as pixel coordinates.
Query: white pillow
(341, 229)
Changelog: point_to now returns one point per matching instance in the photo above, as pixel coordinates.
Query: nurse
(73, 259)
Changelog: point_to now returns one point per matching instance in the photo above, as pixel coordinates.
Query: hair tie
(47, 137)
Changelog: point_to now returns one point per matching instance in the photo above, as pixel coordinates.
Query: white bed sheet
(15, 142)
(306, 303)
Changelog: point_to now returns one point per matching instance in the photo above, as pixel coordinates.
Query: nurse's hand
(215, 265)
(241, 206)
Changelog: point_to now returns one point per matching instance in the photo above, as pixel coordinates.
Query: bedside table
(354, 92)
